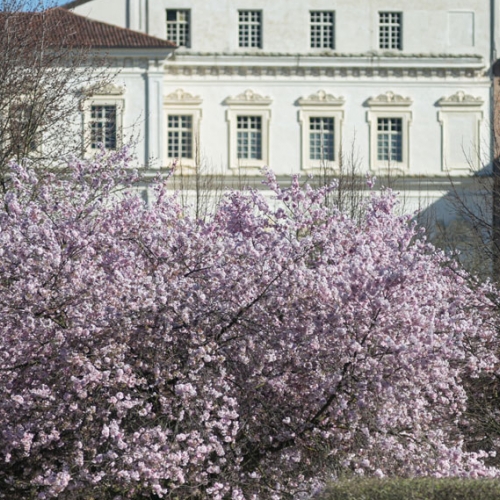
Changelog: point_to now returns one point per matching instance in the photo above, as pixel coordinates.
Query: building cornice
(327, 64)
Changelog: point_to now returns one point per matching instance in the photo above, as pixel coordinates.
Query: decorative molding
(104, 90)
(324, 71)
(389, 99)
(460, 99)
(180, 97)
(374, 54)
(249, 97)
(321, 98)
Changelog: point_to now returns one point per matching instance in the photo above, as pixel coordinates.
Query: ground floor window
(103, 126)
(390, 139)
(321, 138)
(321, 116)
(389, 119)
(249, 132)
(180, 136)
(248, 116)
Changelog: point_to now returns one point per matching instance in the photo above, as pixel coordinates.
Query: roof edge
(74, 3)
(166, 44)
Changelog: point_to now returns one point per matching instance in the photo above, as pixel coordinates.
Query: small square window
(322, 30)
(390, 30)
(250, 28)
(178, 27)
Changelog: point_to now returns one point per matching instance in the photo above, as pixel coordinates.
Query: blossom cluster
(147, 354)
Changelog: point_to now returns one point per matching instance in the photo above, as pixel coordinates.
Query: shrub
(147, 354)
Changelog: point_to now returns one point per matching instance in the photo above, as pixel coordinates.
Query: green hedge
(413, 489)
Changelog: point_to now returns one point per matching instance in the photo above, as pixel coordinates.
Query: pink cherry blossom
(147, 354)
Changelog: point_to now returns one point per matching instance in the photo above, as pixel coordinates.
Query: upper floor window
(178, 27)
(390, 30)
(322, 30)
(250, 28)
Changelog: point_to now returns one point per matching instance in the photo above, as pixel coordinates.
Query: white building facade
(403, 84)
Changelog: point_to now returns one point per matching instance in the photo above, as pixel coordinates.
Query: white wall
(429, 26)
(440, 38)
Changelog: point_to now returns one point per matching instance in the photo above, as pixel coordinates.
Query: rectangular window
(103, 130)
(178, 27)
(321, 139)
(249, 137)
(390, 30)
(390, 139)
(250, 28)
(180, 136)
(322, 30)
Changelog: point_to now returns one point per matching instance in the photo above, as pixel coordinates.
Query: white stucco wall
(446, 52)
(428, 26)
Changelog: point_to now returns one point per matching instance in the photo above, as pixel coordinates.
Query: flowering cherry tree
(146, 354)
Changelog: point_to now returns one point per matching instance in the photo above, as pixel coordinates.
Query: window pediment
(249, 98)
(182, 97)
(105, 90)
(460, 99)
(321, 98)
(389, 99)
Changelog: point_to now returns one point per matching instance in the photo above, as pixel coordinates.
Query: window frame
(322, 24)
(110, 95)
(178, 23)
(399, 44)
(249, 24)
(104, 120)
(320, 105)
(248, 104)
(181, 103)
(389, 105)
(391, 133)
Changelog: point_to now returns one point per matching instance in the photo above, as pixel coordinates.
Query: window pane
(103, 127)
(390, 139)
(249, 137)
(180, 136)
(178, 27)
(250, 28)
(321, 139)
(390, 30)
(322, 29)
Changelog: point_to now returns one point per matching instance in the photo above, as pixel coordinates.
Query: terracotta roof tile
(63, 28)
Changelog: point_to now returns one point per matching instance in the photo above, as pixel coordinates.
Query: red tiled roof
(63, 28)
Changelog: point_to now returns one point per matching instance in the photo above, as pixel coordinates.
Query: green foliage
(413, 489)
